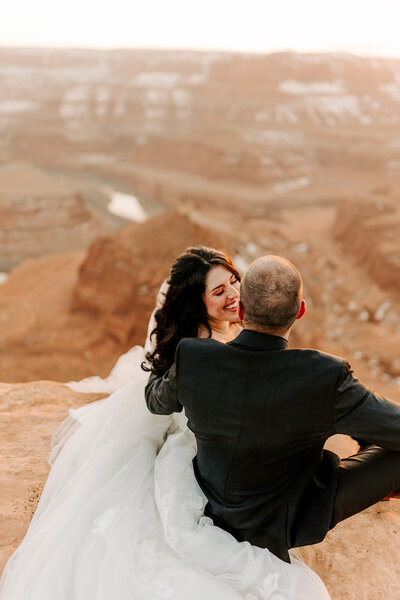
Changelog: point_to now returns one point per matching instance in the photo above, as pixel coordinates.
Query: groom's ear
(240, 311)
(302, 309)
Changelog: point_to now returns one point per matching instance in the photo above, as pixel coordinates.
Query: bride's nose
(233, 292)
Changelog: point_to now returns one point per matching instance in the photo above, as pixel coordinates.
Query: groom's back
(261, 414)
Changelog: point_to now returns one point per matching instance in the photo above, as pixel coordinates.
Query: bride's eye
(219, 293)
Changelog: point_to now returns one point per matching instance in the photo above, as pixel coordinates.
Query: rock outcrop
(68, 316)
(133, 263)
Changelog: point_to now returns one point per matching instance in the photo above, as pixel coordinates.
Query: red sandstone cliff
(68, 316)
(121, 275)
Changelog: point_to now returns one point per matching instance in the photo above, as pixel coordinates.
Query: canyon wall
(200, 129)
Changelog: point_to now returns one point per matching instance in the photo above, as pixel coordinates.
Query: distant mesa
(168, 124)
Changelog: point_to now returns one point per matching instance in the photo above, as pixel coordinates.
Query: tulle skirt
(122, 517)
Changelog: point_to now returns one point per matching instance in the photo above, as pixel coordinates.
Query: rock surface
(29, 415)
(358, 559)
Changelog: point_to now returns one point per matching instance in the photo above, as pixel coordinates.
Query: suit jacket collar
(259, 341)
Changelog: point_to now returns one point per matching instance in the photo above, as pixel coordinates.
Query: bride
(121, 516)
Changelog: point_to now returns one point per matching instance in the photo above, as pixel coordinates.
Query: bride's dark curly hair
(183, 310)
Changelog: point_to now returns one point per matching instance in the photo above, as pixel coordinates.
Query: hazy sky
(360, 26)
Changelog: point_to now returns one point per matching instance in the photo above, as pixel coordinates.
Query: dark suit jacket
(261, 414)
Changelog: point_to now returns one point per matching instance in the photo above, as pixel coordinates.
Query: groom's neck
(259, 329)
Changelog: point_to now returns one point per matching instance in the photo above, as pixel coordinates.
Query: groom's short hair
(271, 293)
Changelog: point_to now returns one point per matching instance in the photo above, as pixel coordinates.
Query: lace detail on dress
(103, 522)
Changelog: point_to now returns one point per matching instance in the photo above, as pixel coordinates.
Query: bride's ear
(302, 309)
(240, 311)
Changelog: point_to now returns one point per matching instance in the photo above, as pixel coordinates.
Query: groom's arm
(161, 393)
(362, 414)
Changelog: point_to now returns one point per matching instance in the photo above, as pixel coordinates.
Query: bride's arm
(161, 393)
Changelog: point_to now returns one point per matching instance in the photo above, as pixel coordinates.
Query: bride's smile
(232, 306)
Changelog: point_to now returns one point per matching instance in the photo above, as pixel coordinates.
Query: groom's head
(271, 295)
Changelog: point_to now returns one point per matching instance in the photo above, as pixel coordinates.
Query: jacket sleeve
(362, 414)
(162, 392)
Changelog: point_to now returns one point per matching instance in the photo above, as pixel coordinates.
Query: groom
(261, 414)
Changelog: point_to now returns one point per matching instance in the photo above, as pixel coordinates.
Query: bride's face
(221, 296)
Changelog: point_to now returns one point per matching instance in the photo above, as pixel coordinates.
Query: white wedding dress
(122, 517)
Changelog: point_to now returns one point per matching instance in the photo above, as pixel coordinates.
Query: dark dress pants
(364, 479)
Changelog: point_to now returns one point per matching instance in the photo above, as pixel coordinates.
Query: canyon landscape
(297, 155)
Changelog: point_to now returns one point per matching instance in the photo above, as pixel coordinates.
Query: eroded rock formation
(68, 316)
(121, 274)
